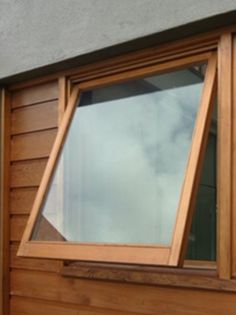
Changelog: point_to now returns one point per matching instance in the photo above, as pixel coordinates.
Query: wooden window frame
(223, 278)
(131, 254)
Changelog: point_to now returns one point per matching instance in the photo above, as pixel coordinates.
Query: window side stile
(192, 175)
(234, 163)
(225, 157)
(62, 85)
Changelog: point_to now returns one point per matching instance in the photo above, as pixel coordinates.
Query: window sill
(187, 277)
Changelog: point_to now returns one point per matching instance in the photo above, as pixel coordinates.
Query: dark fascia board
(183, 31)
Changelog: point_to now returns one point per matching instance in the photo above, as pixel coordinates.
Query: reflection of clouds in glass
(123, 163)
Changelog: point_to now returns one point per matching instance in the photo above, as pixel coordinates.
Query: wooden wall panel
(127, 298)
(17, 226)
(34, 121)
(32, 264)
(36, 94)
(32, 145)
(26, 306)
(27, 173)
(33, 118)
(21, 200)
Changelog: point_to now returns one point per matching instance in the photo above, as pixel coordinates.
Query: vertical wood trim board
(224, 156)
(4, 213)
(234, 162)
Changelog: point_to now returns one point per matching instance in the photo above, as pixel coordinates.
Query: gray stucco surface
(36, 33)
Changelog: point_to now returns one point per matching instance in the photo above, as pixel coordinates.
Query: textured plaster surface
(36, 33)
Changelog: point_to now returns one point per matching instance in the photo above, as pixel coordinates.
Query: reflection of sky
(123, 165)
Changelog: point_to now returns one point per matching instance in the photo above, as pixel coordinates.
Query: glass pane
(121, 170)
(202, 239)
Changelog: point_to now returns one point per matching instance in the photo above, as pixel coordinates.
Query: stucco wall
(36, 33)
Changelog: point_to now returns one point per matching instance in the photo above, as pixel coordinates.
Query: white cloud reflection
(123, 165)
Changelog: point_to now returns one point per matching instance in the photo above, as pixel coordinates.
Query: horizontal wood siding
(37, 287)
(141, 299)
(32, 145)
(27, 173)
(32, 264)
(29, 306)
(36, 94)
(36, 117)
(22, 199)
(34, 120)
(17, 225)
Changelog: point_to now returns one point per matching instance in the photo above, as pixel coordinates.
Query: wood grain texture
(224, 157)
(35, 94)
(17, 226)
(234, 162)
(172, 277)
(93, 252)
(33, 118)
(21, 200)
(33, 145)
(27, 173)
(62, 82)
(123, 297)
(148, 61)
(195, 162)
(50, 165)
(157, 68)
(28, 306)
(32, 264)
(63, 85)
